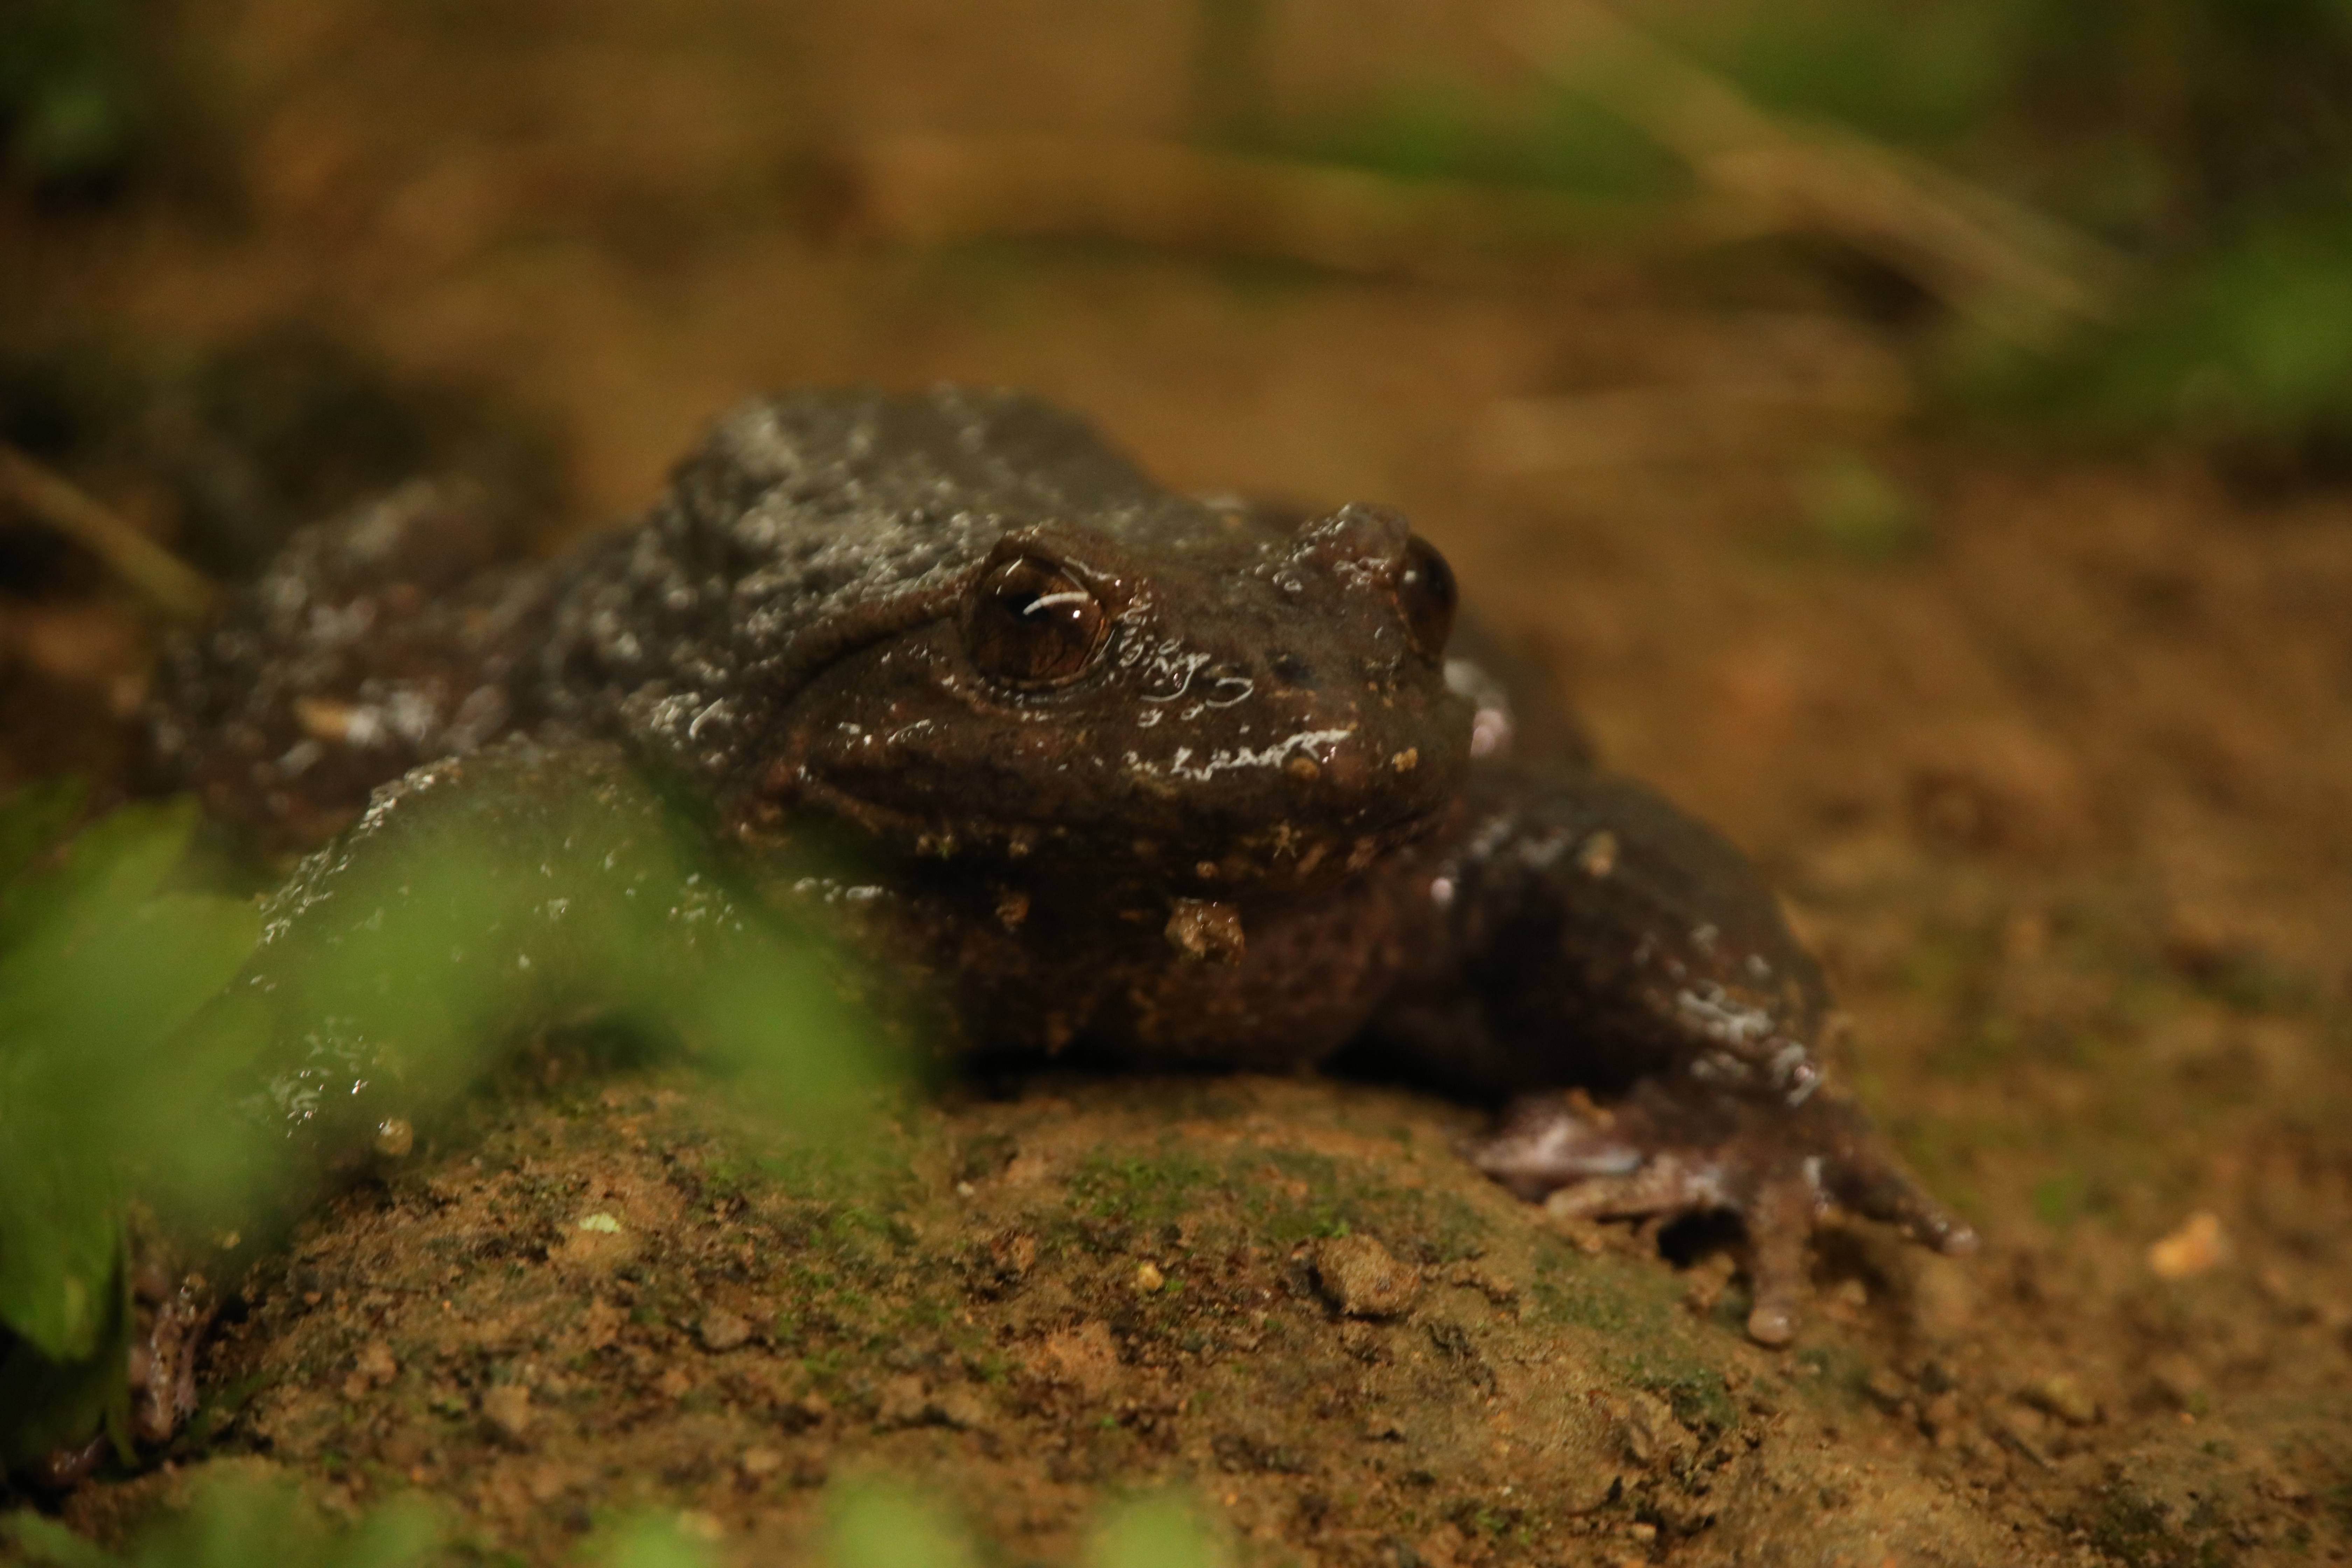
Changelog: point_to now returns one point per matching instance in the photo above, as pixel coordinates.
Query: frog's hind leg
(1663, 1155)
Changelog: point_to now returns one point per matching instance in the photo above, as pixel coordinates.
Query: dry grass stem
(2013, 270)
(169, 586)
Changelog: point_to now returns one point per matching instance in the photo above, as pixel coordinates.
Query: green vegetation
(396, 975)
(2205, 141)
(102, 971)
(237, 1519)
(75, 101)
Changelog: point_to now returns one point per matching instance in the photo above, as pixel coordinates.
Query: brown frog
(1130, 775)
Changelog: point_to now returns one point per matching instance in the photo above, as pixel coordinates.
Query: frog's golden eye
(1029, 623)
(1425, 594)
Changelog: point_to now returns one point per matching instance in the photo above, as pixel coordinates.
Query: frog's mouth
(1204, 859)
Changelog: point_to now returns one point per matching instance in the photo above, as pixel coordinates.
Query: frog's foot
(172, 1309)
(1661, 1153)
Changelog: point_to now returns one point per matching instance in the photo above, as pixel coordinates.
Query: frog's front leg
(1605, 939)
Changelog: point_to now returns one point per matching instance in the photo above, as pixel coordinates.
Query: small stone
(759, 1464)
(2059, 1394)
(1204, 929)
(1085, 1358)
(394, 1137)
(1362, 1279)
(1148, 1277)
(508, 1409)
(2198, 1245)
(374, 1362)
(1885, 1390)
(600, 1224)
(721, 1329)
(1649, 1434)
(902, 1402)
(959, 1408)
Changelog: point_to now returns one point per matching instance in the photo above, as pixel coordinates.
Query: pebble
(721, 1329)
(1361, 1277)
(508, 1409)
(2198, 1245)
(2061, 1396)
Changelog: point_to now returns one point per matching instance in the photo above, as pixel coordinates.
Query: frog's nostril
(1290, 670)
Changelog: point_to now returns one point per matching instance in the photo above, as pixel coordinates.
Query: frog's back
(364, 652)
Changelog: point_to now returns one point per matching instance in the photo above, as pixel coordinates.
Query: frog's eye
(1424, 592)
(1029, 623)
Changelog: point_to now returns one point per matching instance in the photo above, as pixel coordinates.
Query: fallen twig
(2014, 270)
(170, 585)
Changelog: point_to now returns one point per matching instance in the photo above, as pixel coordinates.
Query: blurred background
(1528, 269)
(1826, 379)
(1916, 434)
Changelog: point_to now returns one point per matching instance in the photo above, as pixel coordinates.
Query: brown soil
(2051, 759)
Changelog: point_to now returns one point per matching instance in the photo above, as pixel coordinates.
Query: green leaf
(878, 1526)
(53, 1403)
(44, 1541)
(34, 818)
(109, 866)
(60, 1240)
(1157, 1532)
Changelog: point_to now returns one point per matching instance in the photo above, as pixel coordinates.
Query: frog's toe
(1563, 1144)
(1870, 1182)
(1666, 1184)
(1636, 1163)
(1662, 1154)
(1779, 1220)
(173, 1311)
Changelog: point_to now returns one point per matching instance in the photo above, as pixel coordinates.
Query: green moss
(1339, 1198)
(1139, 1190)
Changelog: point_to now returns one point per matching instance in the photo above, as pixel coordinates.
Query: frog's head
(1212, 708)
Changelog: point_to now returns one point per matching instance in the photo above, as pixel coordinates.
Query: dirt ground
(2050, 753)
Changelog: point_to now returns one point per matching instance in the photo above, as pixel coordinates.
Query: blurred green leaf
(1926, 72)
(653, 1541)
(875, 1525)
(238, 1520)
(34, 819)
(1158, 1531)
(1569, 144)
(2250, 346)
(389, 977)
(43, 1541)
(98, 973)
(1856, 509)
(60, 1232)
(72, 90)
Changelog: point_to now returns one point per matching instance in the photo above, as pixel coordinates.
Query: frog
(1121, 776)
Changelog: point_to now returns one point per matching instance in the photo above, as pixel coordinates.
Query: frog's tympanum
(1128, 775)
